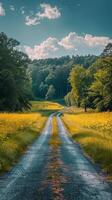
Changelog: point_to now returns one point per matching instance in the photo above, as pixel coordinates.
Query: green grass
(45, 107)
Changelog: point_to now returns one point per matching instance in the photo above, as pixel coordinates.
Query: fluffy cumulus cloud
(47, 11)
(94, 41)
(71, 44)
(73, 40)
(2, 10)
(46, 48)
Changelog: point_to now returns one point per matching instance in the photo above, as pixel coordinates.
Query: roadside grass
(55, 141)
(45, 107)
(75, 110)
(17, 131)
(94, 132)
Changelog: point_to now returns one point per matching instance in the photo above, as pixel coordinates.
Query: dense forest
(81, 80)
(50, 76)
(92, 86)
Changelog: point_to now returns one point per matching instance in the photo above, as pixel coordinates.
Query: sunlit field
(94, 132)
(45, 106)
(16, 132)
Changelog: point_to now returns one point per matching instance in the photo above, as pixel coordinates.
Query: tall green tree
(80, 82)
(101, 88)
(55, 71)
(50, 93)
(13, 76)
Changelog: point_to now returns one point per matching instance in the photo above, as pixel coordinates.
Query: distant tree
(50, 79)
(80, 82)
(43, 88)
(50, 93)
(101, 88)
(70, 99)
(55, 71)
(108, 50)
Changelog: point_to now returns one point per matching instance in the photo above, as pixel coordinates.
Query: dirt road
(44, 173)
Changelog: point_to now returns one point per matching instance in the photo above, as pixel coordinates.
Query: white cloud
(70, 41)
(47, 11)
(93, 41)
(44, 50)
(12, 8)
(72, 44)
(73, 40)
(29, 21)
(2, 10)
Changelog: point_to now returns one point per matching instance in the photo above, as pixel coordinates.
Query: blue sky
(53, 28)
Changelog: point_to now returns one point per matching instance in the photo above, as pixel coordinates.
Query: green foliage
(50, 93)
(14, 78)
(79, 80)
(101, 88)
(108, 50)
(85, 81)
(92, 87)
(55, 72)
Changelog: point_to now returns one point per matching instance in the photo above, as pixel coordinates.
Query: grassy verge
(17, 131)
(45, 107)
(94, 132)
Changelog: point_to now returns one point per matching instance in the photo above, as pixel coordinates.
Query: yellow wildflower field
(94, 132)
(96, 121)
(12, 122)
(16, 132)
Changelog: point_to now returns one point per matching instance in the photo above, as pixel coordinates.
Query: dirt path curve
(84, 183)
(23, 181)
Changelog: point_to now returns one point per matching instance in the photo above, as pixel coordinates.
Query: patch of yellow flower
(45, 105)
(17, 131)
(96, 121)
(94, 132)
(12, 122)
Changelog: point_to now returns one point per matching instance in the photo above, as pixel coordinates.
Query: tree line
(92, 87)
(81, 80)
(50, 76)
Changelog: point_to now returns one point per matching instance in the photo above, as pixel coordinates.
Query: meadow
(45, 107)
(94, 132)
(19, 130)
